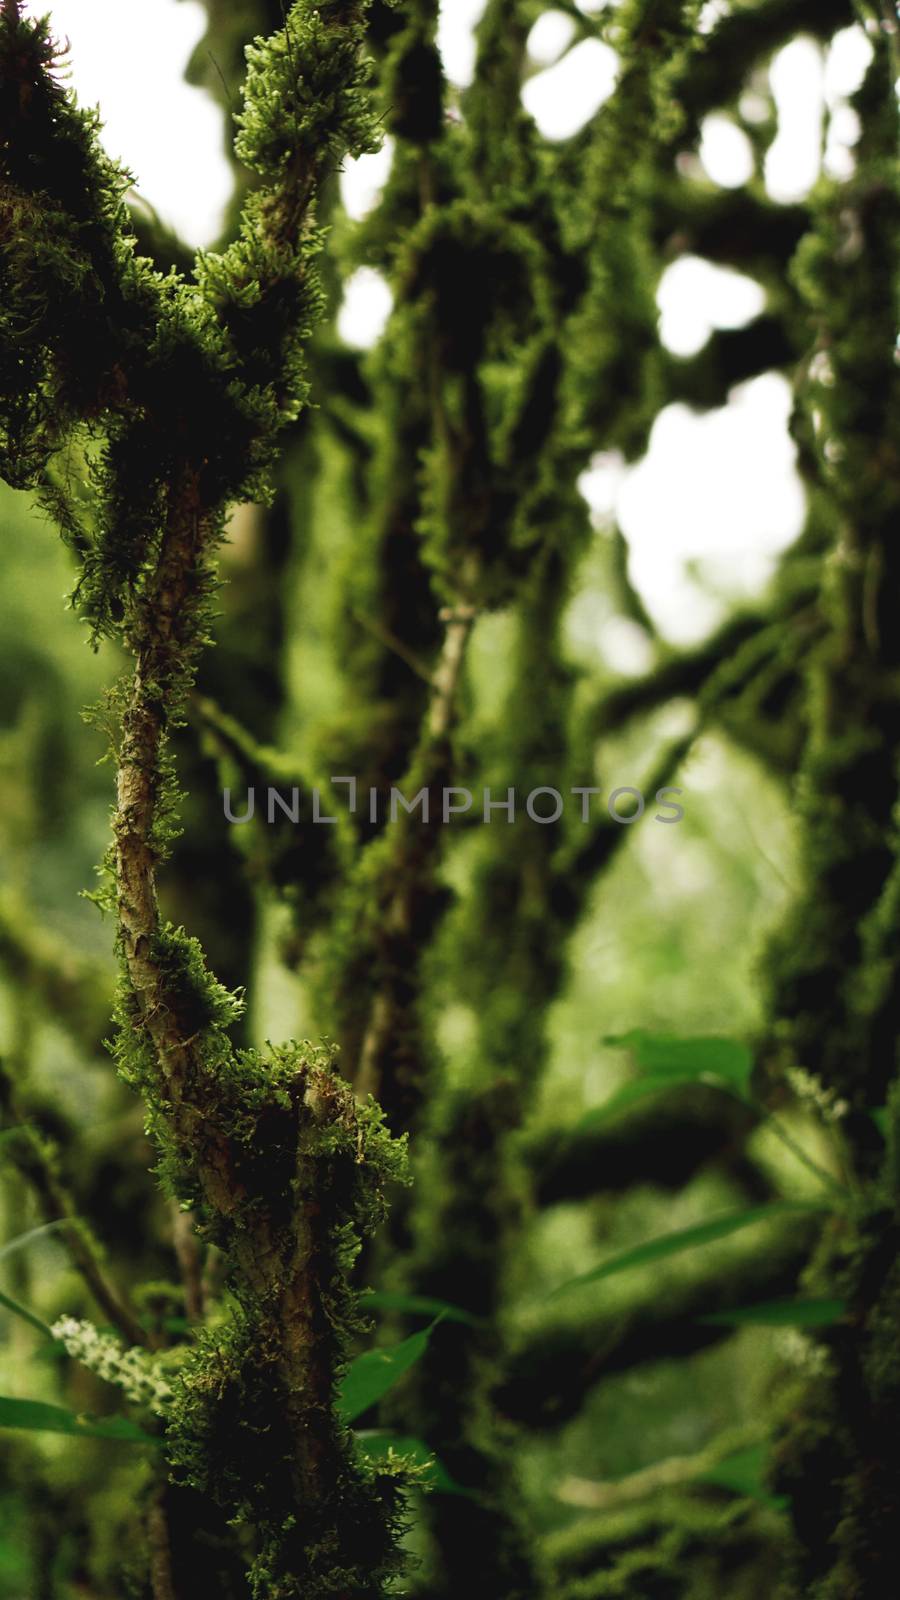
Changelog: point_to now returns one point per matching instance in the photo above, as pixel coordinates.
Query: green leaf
(670, 1244)
(378, 1446)
(880, 1118)
(18, 1310)
(417, 1304)
(703, 1057)
(745, 1473)
(373, 1373)
(781, 1314)
(664, 1060)
(39, 1417)
(23, 1239)
(623, 1098)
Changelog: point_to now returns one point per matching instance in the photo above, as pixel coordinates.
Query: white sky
(719, 490)
(129, 57)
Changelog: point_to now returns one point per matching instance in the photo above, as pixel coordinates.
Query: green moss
(836, 992)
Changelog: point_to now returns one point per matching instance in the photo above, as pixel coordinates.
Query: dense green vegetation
(454, 1207)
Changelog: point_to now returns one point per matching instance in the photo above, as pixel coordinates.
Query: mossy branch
(665, 1145)
(286, 1172)
(556, 1361)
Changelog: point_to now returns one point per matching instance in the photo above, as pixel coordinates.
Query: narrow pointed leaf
(628, 1095)
(19, 1310)
(745, 1473)
(24, 1239)
(373, 1373)
(39, 1417)
(781, 1314)
(670, 1244)
(663, 1060)
(382, 1300)
(705, 1057)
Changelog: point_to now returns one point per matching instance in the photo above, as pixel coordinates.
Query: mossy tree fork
(183, 390)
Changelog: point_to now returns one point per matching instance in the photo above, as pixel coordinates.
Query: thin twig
(187, 1251)
(780, 1132)
(34, 1160)
(445, 685)
(391, 641)
(460, 620)
(160, 1551)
